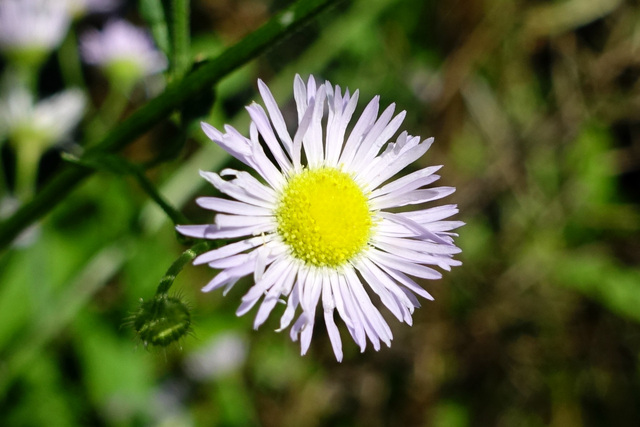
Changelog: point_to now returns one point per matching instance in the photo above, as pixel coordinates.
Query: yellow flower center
(324, 217)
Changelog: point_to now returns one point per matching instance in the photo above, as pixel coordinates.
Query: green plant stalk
(28, 154)
(148, 187)
(177, 266)
(108, 114)
(153, 13)
(181, 57)
(69, 60)
(282, 24)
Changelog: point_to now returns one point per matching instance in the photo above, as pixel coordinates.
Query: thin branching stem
(177, 266)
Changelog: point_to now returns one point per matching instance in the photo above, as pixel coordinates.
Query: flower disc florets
(324, 217)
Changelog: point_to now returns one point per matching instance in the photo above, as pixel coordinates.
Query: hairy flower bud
(162, 320)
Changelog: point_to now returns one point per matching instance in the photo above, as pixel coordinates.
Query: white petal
(441, 226)
(273, 296)
(433, 214)
(400, 264)
(370, 315)
(233, 221)
(393, 163)
(229, 250)
(328, 304)
(388, 283)
(229, 275)
(250, 184)
(210, 231)
(335, 141)
(301, 323)
(379, 135)
(289, 312)
(300, 95)
(409, 226)
(276, 116)
(275, 271)
(406, 281)
(232, 261)
(443, 261)
(301, 133)
(415, 245)
(378, 287)
(408, 182)
(294, 298)
(236, 191)
(261, 162)
(311, 88)
(411, 198)
(261, 120)
(347, 310)
(312, 141)
(231, 206)
(357, 134)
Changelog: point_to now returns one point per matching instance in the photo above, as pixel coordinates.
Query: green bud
(162, 320)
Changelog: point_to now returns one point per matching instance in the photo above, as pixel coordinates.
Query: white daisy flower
(126, 52)
(322, 225)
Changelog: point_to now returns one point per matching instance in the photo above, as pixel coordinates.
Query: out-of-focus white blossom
(224, 354)
(45, 122)
(29, 29)
(126, 52)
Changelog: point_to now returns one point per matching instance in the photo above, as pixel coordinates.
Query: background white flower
(32, 24)
(46, 121)
(325, 229)
(124, 51)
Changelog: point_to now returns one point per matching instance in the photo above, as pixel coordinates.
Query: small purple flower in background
(29, 29)
(125, 52)
(324, 225)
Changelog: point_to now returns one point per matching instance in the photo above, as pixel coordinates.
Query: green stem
(27, 162)
(153, 13)
(69, 60)
(177, 266)
(175, 215)
(281, 25)
(180, 55)
(109, 113)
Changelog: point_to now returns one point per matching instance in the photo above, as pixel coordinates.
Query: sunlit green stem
(153, 13)
(27, 160)
(181, 57)
(109, 114)
(175, 215)
(69, 60)
(177, 266)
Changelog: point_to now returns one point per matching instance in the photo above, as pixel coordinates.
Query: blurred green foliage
(534, 107)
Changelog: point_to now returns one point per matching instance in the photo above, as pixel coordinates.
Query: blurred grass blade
(153, 13)
(181, 57)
